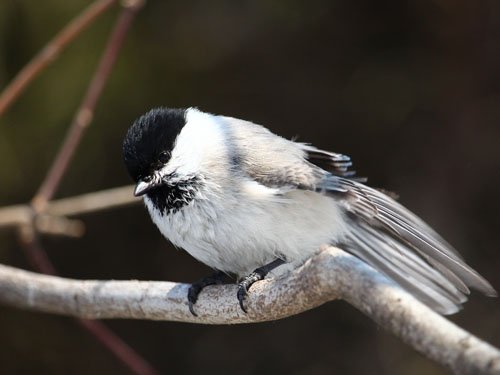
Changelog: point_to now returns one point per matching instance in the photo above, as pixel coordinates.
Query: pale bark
(54, 220)
(329, 275)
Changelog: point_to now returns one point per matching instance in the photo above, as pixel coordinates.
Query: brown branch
(329, 275)
(51, 51)
(32, 217)
(118, 347)
(39, 260)
(85, 112)
(36, 255)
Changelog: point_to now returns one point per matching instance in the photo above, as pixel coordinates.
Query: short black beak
(143, 187)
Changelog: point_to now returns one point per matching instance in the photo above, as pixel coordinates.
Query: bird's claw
(243, 286)
(196, 288)
(242, 295)
(191, 309)
(193, 292)
(246, 283)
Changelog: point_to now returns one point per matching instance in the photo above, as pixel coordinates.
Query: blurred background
(409, 89)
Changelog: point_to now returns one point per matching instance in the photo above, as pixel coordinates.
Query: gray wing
(395, 241)
(381, 232)
(274, 161)
(277, 162)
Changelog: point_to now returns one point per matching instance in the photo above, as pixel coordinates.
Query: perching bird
(245, 201)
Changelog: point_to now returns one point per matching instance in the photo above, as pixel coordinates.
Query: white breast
(240, 232)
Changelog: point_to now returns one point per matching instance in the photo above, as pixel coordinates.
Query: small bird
(247, 202)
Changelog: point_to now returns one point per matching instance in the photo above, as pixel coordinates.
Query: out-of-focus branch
(330, 274)
(125, 353)
(55, 222)
(39, 260)
(34, 217)
(22, 216)
(36, 255)
(51, 51)
(92, 202)
(85, 112)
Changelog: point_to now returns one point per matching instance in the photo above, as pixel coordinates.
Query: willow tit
(247, 202)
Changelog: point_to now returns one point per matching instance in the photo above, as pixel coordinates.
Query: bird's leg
(255, 276)
(196, 288)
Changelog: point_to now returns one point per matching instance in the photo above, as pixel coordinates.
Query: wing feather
(381, 231)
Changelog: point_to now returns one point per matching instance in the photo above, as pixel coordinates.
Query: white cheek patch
(200, 140)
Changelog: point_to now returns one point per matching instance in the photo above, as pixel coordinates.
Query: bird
(249, 203)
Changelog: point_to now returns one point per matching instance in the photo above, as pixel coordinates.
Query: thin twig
(51, 51)
(331, 274)
(85, 112)
(28, 234)
(36, 255)
(120, 349)
(40, 261)
(93, 202)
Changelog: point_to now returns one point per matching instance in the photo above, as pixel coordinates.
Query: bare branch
(39, 260)
(54, 220)
(37, 257)
(12, 216)
(59, 226)
(85, 112)
(330, 274)
(129, 357)
(50, 52)
(92, 202)
(32, 219)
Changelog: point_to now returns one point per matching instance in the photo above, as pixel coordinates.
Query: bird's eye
(164, 157)
(146, 178)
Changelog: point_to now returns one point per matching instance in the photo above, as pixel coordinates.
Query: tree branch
(54, 220)
(32, 219)
(329, 275)
(51, 51)
(85, 112)
(93, 202)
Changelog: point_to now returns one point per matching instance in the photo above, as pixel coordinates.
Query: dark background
(409, 89)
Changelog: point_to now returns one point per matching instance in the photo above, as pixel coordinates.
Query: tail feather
(406, 268)
(395, 241)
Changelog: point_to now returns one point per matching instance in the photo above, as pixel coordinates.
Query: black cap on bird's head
(148, 145)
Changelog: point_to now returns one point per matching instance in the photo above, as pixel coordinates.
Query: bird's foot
(257, 275)
(246, 283)
(196, 288)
